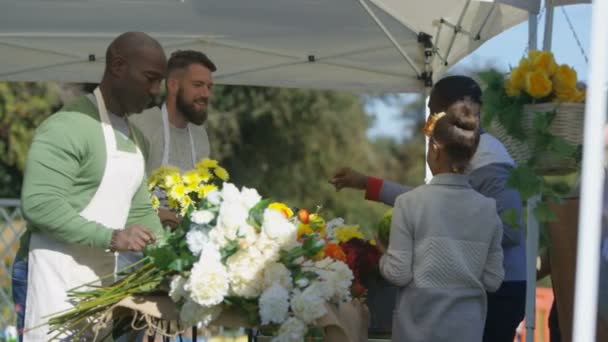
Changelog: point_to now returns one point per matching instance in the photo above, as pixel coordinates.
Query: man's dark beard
(197, 118)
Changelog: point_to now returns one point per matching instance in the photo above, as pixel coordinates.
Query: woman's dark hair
(458, 133)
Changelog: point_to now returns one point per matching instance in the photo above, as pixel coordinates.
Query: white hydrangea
(208, 283)
(269, 248)
(331, 226)
(308, 305)
(277, 273)
(193, 314)
(247, 236)
(177, 291)
(202, 217)
(342, 280)
(246, 270)
(196, 240)
(278, 228)
(325, 289)
(274, 304)
(292, 330)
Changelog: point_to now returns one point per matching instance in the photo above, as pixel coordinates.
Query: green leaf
(543, 213)
(524, 179)
(511, 217)
(229, 250)
(256, 214)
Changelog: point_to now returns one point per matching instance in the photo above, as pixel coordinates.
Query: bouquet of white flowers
(231, 250)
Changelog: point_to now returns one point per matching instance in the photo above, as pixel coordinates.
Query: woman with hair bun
(445, 241)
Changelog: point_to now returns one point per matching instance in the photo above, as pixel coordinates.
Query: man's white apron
(54, 266)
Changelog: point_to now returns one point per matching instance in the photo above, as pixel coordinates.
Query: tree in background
(23, 106)
(288, 142)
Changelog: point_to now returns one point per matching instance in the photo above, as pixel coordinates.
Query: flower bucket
(567, 124)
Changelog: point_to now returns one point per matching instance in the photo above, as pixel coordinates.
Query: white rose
(196, 239)
(202, 217)
(274, 304)
(250, 197)
(230, 193)
(278, 228)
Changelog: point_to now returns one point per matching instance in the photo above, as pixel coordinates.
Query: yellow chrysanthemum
(173, 204)
(204, 174)
(192, 177)
(304, 229)
(177, 191)
(206, 163)
(545, 62)
(282, 208)
(185, 202)
(205, 189)
(538, 84)
(155, 202)
(152, 183)
(345, 233)
(373, 242)
(221, 173)
(171, 180)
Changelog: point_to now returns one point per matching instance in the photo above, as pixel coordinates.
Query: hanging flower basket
(537, 112)
(567, 124)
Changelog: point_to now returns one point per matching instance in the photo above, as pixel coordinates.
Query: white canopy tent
(354, 45)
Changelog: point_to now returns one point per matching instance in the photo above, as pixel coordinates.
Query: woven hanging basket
(567, 124)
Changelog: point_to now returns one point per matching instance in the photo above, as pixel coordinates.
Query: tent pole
(531, 254)
(592, 181)
(548, 38)
(404, 54)
(532, 223)
(532, 31)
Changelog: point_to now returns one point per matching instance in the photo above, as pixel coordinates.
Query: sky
(502, 51)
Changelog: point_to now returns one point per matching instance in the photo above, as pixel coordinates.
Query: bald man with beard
(84, 193)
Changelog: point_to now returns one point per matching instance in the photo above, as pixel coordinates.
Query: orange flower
(538, 84)
(334, 251)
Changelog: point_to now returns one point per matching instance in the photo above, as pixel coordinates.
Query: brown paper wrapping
(347, 322)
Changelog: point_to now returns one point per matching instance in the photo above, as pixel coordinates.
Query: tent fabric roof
(283, 43)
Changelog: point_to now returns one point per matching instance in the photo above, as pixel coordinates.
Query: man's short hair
(182, 59)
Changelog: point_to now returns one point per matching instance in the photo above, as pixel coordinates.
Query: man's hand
(349, 178)
(134, 238)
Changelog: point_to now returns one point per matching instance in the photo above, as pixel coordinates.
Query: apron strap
(106, 125)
